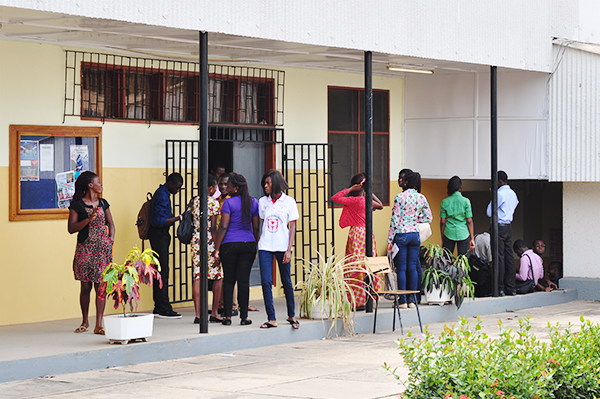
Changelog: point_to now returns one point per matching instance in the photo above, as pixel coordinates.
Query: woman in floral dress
(215, 271)
(353, 215)
(89, 217)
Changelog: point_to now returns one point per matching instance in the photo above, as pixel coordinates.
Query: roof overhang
(78, 32)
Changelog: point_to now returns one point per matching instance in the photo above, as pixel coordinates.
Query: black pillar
(494, 188)
(203, 181)
(369, 162)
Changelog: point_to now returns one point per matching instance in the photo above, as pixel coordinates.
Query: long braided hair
(239, 181)
(81, 184)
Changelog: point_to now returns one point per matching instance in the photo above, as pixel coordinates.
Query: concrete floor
(51, 348)
(333, 368)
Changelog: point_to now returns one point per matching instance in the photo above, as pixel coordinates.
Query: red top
(353, 213)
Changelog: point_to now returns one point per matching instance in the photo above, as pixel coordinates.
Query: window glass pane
(138, 87)
(343, 110)
(344, 153)
(380, 111)
(97, 92)
(381, 178)
(176, 98)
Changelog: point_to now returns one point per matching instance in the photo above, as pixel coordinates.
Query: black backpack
(481, 275)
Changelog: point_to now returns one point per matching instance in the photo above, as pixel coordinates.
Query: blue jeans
(266, 278)
(407, 261)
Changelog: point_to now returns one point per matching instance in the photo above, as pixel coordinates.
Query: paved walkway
(332, 368)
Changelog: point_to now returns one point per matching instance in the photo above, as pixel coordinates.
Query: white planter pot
(123, 329)
(438, 297)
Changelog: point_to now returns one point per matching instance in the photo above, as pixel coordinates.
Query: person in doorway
(480, 259)
(89, 215)
(215, 271)
(531, 266)
(456, 219)
(161, 218)
(235, 245)
(507, 203)
(353, 216)
(217, 170)
(410, 207)
(555, 272)
(278, 211)
(539, 247)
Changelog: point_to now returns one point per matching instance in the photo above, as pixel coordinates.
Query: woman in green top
(456, 219)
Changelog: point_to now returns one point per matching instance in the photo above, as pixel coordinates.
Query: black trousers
(506, 260)
(463, 246)
(160, 239)
(237, 259)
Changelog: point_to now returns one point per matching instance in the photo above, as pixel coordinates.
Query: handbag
(185, 230)
(527, 286)
(424, 231)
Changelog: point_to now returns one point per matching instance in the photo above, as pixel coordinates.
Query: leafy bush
(465, 363)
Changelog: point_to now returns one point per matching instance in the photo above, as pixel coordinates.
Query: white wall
(448, 124)
(580, 225)
(509, 33)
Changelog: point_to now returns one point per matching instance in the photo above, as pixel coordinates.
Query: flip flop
(268, 325)
(295, 323)
(99, 332)
(253, 308)
(81, 329)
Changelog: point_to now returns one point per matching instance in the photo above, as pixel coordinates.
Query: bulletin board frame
(16, 132)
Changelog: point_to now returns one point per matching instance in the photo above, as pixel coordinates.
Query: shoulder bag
(185, 231)
(527, 286)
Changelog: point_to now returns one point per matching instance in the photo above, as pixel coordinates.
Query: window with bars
(346, 133)
(127, 88)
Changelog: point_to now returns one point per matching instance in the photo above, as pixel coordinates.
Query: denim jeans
(237, 259)
(406, 261)
(266, 279)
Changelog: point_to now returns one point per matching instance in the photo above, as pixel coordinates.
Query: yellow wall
(36, 265)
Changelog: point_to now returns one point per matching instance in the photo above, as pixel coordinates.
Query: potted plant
(123, 285)
(326, 290)
(446, 277)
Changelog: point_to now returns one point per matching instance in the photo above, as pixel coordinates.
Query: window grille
(110, 86)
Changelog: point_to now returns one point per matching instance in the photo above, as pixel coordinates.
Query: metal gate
(307, 169)
(182, 156)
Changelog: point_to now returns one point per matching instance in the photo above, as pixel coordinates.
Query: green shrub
(465, 363)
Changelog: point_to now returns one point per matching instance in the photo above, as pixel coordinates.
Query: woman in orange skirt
(353, 216)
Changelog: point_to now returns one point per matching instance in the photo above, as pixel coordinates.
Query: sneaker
(403, 306)
(196, 320)
(169, 315)
(411, 305)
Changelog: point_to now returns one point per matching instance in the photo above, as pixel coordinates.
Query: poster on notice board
(29, 161)
(80, 159)
(65, 188)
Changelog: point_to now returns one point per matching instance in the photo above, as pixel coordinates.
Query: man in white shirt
(507, 203)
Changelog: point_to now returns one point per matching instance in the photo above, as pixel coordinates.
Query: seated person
(555, 272)
(531, 267)
(539, 247)
(480, 259)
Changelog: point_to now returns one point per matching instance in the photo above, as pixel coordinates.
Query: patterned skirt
(356, 248)
(95, 253)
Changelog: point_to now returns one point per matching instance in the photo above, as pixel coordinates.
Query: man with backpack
(161, 217)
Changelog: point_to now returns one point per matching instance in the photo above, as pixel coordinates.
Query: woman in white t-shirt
(277, 210)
